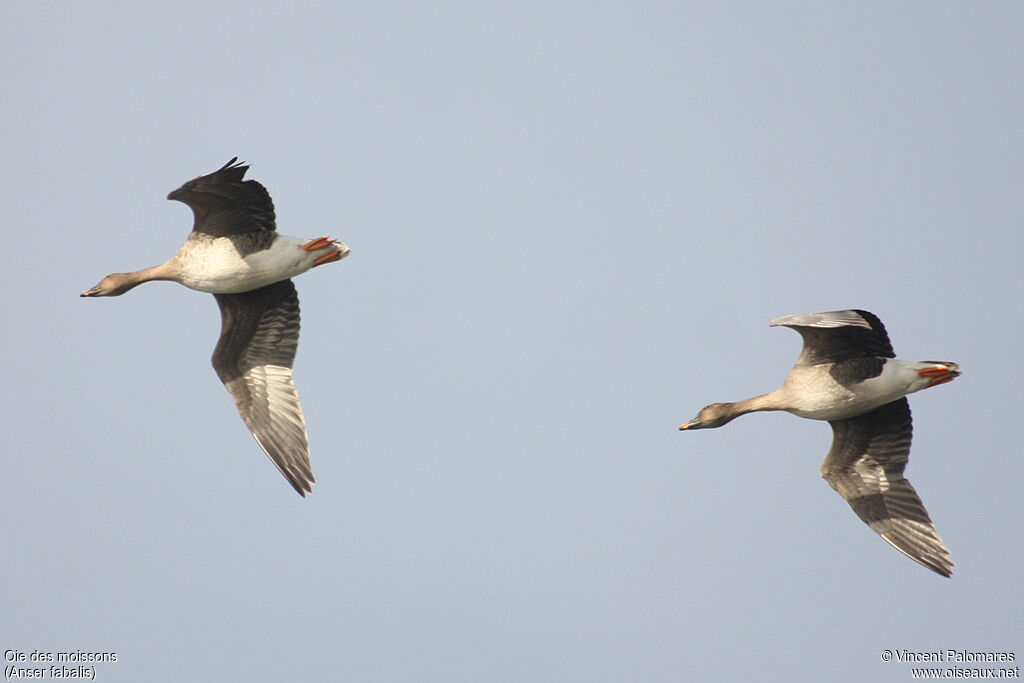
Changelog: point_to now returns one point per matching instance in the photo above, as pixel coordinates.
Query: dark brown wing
(865, 466)
(225, 204)
(838, 336)
(254, 355)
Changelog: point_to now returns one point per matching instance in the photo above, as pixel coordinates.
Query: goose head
(711, 416)
(114, 284)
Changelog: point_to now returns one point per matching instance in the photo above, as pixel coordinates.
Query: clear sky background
(570, 225)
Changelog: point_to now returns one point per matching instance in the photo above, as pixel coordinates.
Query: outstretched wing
(838, 336)
(254, 355)
(225, 204)
(865, 466)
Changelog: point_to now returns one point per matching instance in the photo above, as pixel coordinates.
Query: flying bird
(235, 253)
(847, 374)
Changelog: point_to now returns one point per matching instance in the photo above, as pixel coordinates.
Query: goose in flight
(848, 375)
(235, 253)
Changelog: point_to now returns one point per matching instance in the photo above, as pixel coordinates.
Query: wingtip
(302, 484)
(942, 566)
(850, 317)
(303, 488)
(231, 164)
(934, 554)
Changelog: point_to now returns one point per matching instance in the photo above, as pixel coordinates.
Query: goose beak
(90, 292)
(692, 424)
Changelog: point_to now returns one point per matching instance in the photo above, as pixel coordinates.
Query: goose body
(235, 253)
(847, 374)
(811, 391)
(216, 265)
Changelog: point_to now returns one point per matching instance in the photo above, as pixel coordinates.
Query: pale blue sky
(570, 225)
